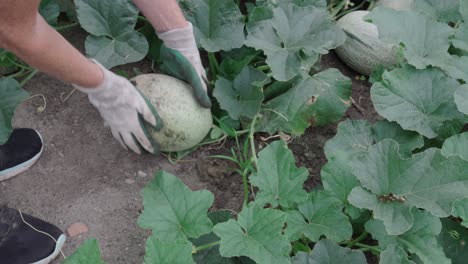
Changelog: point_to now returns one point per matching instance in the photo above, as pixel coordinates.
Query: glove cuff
(101, 88)
(179, 39)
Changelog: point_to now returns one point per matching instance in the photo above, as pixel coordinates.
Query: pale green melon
(363, 51)
(397, 4)
(186, 123)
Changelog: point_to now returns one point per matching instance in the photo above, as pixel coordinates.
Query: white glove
(120, 104)
(183, 40)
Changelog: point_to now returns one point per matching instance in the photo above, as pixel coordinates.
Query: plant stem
(67, 26)
(252, 142)
(358, 239)
(214, 66)
(371, 248)
(206, 246)
(142, 18)
(263, 68)
(27, 78)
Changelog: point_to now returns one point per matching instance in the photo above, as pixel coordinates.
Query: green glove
(176, 65)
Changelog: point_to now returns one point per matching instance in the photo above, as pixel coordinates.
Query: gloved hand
(182, 60)
(124, 109)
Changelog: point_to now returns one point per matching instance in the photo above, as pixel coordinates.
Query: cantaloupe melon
(186, 123)
(363, 51)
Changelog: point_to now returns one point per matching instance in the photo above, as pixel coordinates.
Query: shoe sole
(11, 172)
(58, 246)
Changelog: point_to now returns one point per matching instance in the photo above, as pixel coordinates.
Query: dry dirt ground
(85, 176)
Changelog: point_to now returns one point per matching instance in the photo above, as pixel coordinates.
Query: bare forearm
(164, 15)
(46, 50)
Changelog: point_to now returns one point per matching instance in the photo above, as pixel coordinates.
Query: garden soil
(85, 176)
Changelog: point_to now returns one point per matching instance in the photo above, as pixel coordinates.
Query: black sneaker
(21, 151)
(21, 244)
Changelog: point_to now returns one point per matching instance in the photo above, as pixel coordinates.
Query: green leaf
(212, 255)
(353, 138)
(460, 209)
(285, 31)
(320, 215)
(316, 3)
(256, 234)
(178, 252)
(312, 100)
(418, 100)
(244, 96)
(461, 98)
(217, 24)
(278, 179)
(113, 41)
(332, 97)
(444, 11)
(420, 239)
(460, 39)
(454, 239)
(395, 186)
(88, 252)
(408, 140)
(456, 145)
(173, 211)
(11, 95)
(394, 255)
(49, 10)
(455, 66)
(464, 9)
(338, 179)
(235, 61)
(327, 251)
(126, 48)
(425, 40)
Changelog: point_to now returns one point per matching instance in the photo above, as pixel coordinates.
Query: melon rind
(186, 123)
(363, 51)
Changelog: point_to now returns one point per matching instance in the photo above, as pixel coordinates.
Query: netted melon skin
(186, 123)
(363, 51)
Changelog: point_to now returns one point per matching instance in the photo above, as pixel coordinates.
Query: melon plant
(186, 123)
(363, 51)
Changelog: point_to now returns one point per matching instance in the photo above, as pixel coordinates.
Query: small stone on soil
(142, 174)
(77, 229)
(130, 181)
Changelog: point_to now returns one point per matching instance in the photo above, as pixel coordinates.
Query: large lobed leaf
(327, 251)
(212, 255)
(454, 240)
(425, 41)
(288, 33)
(320, 215)
(244, 95)
(256, 234)
(461, 98)
(420, 239)
(113, 41)
(456, 146)
(278, 179)
(178, 252)
(353, 140)
(174, 212)
(418, 100)
(11, 95)
(444, 11)
(312, 100)
(218, 24)
(88, 252)
(394, 255)
(393, 187)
